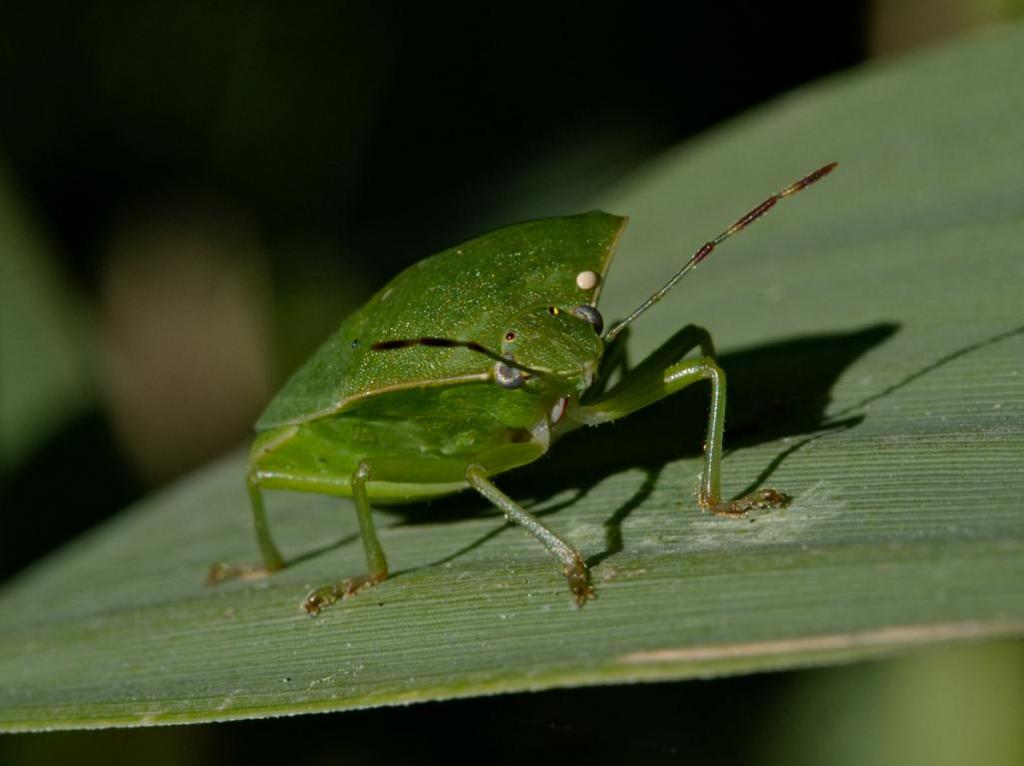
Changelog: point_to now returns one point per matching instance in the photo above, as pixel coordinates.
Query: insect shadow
(775, 390)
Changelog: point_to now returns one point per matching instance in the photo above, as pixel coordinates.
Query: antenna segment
(705, 250)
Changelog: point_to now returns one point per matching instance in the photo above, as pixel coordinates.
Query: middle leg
(376, 562)
(573, 566)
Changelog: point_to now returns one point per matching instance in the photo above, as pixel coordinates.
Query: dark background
(219, 184)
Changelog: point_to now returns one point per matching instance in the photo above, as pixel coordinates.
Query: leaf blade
(873, 343)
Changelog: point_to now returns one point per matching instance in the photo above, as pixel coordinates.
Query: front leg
(655, 379)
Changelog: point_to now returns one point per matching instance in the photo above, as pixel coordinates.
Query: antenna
(705, 250)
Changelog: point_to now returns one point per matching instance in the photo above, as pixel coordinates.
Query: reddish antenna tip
(822, 172)
(807, 180)
(705, 250)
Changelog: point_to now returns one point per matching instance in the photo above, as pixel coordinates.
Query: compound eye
(508, 377)
(590, 314)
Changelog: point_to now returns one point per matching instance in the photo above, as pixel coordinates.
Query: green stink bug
(468, 364)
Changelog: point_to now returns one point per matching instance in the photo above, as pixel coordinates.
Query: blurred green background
(192, 196)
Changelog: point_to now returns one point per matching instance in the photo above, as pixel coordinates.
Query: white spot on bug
(587, 280)
(558, 410)
(541, 434)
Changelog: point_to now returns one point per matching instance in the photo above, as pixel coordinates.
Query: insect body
(468, 364)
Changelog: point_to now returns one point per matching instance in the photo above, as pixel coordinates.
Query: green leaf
(872, 331)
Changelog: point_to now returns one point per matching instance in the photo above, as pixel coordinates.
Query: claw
(762, 499)
(330, 594)
(769, 498)
(579, 583)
